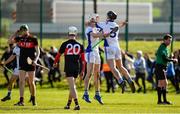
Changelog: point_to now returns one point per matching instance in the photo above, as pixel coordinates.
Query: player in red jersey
(29, 48)
(74, 54)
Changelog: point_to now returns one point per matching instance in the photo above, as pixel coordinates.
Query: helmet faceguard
(72, 30)
(24, 27)
(111, 15)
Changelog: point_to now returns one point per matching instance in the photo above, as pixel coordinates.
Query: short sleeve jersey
(91, 41)
(72, 51)
(107, 27)
(162, 51)
(27, 46)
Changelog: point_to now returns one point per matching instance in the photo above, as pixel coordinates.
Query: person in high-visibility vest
(109, 78)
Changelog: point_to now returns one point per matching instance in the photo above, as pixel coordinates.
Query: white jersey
(91, 41)
(107, 27)
(16, 51)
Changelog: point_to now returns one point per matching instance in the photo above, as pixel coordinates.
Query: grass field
(53, 101)
(149, 47)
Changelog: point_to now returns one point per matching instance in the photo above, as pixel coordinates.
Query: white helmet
(92, 16)
(72, 30)
(139, 52)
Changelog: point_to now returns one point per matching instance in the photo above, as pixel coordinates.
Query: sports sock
(159, 94)
(129, 80)
(21, 99)
(32, 97)
(86, 92)
(9, 93)
(69, 102)
(97, 93)
(120, 80)
(164, 94)
(76, 101)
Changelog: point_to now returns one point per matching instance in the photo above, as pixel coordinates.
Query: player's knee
(98, 75)
(21, 81)
(88, 76)
(123, 69)
(114, 69)
(73, 88)
(31, 83)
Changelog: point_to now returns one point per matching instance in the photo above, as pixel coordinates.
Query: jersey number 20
(73, 49)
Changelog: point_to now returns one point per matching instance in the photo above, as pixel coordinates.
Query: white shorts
(112, 53)
(93, 57)
(16, 72)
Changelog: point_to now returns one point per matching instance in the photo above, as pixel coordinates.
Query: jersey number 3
(73, 49)
(113, 34)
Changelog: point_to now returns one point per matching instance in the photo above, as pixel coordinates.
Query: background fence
(148, 19)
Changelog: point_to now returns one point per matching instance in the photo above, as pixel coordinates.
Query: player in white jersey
(93, 59)
(113, 51)
(15, 75)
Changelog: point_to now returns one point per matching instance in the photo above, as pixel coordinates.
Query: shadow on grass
(140, 104)
(120, 104)
(29, 108)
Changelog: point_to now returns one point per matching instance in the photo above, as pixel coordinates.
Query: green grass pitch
(53, 100)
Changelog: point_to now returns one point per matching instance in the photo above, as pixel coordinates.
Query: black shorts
(72, 69)
(160, 72)
(72, 74)
(27, 67)
(23, 65)
(140, 75)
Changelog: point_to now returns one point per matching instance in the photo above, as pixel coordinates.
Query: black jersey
(27, 46)
(72, 51)
(5, 57)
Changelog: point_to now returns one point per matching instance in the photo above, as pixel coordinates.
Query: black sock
(76, 102)
(164, 94)
(69, 102)
(9, 94)
(32, 97)
(159, 94)
(21, 99)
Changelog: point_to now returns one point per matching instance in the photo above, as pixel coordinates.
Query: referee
(162, 58)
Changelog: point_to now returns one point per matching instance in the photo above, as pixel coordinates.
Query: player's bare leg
(126, 74)
(31, 77)
(22, 76)
(69, 101)
(90, 67)
(97, 83)
(162, 85)
(10, 86)
(116, 73)
(73, 92)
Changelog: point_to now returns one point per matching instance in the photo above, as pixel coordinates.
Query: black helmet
(24, 27)
(112, 15)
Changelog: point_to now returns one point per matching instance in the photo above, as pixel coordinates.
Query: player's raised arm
(11, 39)
(123, 23)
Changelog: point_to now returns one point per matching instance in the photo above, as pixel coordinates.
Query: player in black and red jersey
(74, 54)
(28, 45)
